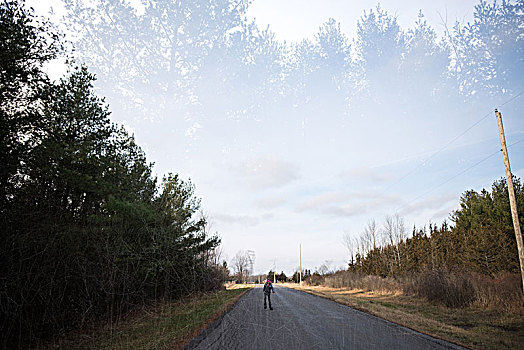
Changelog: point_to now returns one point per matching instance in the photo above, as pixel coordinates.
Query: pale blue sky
(294, 20)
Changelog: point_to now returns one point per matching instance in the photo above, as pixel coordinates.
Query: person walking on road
(268, 289)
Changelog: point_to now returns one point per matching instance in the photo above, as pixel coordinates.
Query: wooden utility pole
(301, 264)
(274, 272)
(512, 201)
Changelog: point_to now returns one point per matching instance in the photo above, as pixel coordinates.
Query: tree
(394, 233)
(482, 239)
(488, 52)
(319, 83)
(26, 44)
(483, 224)
(241, 265)
(379, 45)
(166, 61)
(371, 232)
(347, 242)
(325, 268)
(88, 223)
(424, 66)
(59, 208)
(281, 277)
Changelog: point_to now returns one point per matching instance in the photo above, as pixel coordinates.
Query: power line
(511, 99)
(453, 177)
(450, 142)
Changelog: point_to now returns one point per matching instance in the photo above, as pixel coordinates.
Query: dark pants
(268, 296)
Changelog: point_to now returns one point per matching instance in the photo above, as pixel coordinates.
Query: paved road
(303, 321)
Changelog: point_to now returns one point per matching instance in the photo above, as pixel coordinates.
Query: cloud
(346, 204)
(438, 203)
(270, 202)
(244, 220)
(268, 171)
(319, 201)
(361, 205)
(369, 174)
(441, 215)
(346, 210)
(267, 216)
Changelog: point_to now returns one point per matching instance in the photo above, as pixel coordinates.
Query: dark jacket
(268, 288)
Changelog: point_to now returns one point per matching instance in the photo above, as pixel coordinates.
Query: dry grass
(450, 289)
(352, 280)
(167, 325)
(472, 326)
(233, 286)
(462, 289)
(500, 293)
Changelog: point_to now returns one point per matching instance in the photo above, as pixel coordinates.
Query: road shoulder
(197, 335)
(468, 327)
(161, 325)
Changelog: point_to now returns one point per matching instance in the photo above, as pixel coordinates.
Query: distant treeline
(481, 239)
(86, 231)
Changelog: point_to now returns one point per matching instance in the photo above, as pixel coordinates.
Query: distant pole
(274, 272)
(512, 201)
(251, 256)
(301, 263)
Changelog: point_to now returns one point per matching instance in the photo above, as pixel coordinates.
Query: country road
(303, 321)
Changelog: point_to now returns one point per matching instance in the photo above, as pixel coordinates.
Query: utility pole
(274, 273)
(512, 201)
(300, 263)
(251, 256)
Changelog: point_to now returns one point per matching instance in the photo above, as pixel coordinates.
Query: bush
(504, 292)
(453, 289)
(356, 280)
(448, 288)
(315, 280)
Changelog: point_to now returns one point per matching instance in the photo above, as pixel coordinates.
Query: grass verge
(166, 325)
(470, 327)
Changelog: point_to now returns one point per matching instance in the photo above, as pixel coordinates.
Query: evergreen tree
(482, 240)
(488, 52)
(26, 44)
(87, 232)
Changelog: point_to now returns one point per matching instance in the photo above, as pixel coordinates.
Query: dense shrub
(356, 280)
(452, 289)
(503, 292)
(448, 288)
(315, 280)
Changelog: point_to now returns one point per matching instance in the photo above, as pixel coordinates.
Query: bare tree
(365, 244)
(325, 268)
(207, 228)
(349, 243)
(241, 264)
(400, 229)
(394, 232)
(212, 256)
(370, 232)
(400, 237)
(217, 254)
(388, 230)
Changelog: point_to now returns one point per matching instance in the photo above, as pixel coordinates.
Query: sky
(269, 193)
(294, 20)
